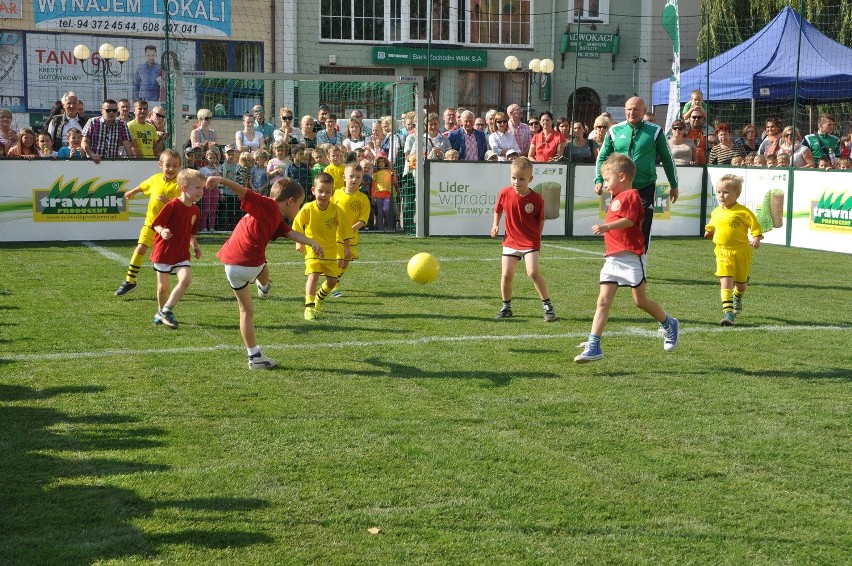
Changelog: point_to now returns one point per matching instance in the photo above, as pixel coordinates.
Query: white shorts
(239, 275)
(625, 269)
(516, 253)
(166, 268)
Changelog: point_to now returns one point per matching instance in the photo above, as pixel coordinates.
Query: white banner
(47, 200)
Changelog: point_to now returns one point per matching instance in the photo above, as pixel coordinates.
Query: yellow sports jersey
(355, 206)
(155, 187)
(336, 171)
(143, 136)
(325, 227)
(730, 226)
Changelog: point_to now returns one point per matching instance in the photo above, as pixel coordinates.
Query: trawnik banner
(672, 27)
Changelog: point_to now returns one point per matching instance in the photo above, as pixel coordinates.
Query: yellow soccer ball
(423, 268)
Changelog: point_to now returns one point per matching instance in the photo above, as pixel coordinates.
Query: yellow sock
(135, 265)
(738, 293)
(324, 291)
(727, 300)
(310, 300)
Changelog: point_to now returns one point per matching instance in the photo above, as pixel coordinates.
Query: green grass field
(408, 408)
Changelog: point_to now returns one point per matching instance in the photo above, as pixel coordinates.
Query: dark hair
(323, 178)
(150, 47)
(546, 113)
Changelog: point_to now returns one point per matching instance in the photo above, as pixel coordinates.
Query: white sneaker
(261, 362)
(263, 292)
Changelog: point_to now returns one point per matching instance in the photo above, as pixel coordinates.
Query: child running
(324, 222)
(356, 208)
(176, 227)
(244, 253)
(624, 265)
(160, 189)
(729, 227)
(524, 210)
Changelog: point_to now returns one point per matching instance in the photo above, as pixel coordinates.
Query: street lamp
(539, 70)
(102, 64)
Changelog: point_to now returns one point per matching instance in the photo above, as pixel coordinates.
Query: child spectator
(244, 253)
(771, 160)
(524, 210)
(299, 170)
(324, 222)
(748, 160)
(385, 187)
(176, 226)
(759, 161)
(189, 158)
(367, 189)
(246, 162)
(356, 207)
(624, 265)
(73, 150)
(783, 160)
(160, 189)
(336, 167)
(451, 155)
(259, 177)
(736, 161)
(277, 165)
(729, 226)
(228, 212)
(320, 161)
(210, 200)
(844, 163)
(44, 144)
(824, 163)
(26, 145)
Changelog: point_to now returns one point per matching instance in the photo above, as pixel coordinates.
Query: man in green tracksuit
(644, 143)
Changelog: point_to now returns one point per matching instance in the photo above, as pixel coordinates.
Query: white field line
(124, 259)
(412, 342)
(598, 254)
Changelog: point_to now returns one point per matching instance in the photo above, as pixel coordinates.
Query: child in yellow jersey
(336, 167)
(326, 224)
(160, 189)
(729, 227)
(356, 208)
(384, 193)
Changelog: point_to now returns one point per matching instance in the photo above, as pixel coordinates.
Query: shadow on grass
(714, 282)
(58, 505)
(841, 374)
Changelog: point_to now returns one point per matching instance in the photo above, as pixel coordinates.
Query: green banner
(592, 44)
(467, 58)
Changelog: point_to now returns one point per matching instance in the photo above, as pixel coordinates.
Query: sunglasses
(502, 121)
(206, 118)
(696, 117)
(288, 118)
(600, 127)
(110, 110)
(257, 111)
(677, 127)
(159, 115)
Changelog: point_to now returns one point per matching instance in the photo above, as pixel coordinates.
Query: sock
(507, 304)
(666, 323)
(254, 351)
(134, 267)
(168, 308)
(727, 300)
(324, 291)
(739, 294)
(310, 300)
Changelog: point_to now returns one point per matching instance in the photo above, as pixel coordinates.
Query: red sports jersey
(524, 218)
(262, 223)
(626, 204)
(182, 221)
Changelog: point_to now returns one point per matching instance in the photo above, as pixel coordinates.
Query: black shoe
(125, 288)
(505, 312)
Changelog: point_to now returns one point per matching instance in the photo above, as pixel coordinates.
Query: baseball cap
(230, 147)
(187, 150)
(511, 152)
(491, 156)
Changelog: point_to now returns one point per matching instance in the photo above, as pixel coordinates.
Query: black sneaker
(549, 313)
(505, 312)
(125, 288)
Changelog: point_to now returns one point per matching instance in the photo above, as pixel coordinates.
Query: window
(471, 22)
(592, 11)
(230, 97)
(480, 91)
(374, 97)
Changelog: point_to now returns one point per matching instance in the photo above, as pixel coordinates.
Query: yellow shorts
(146, 236)
(733, 262)
(327, 267)
(352, 249)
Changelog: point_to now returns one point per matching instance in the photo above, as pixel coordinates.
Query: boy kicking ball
(176, 227)
(244, 253)
(624, 265)
(524, 210)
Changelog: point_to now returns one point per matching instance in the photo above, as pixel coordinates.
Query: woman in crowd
(436, 144)
(548, 144)
(330, 133)
(535, 125)
(307, 133)
(202, 133)
(748, 139)
(248, 139)
(681, 148)
(600, 127)
(502, 140)
(286, 132)
(580, 149)
(725, 149)
(800, 155)
(8, 135)
(772, 142)
(354, 136)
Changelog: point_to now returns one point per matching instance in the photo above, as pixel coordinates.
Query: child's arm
(708, 232)
(164, 232)
(195, 247)
(495, 228)
(755, 241)
(129, 194)
(214, 182)
(302, 241)
(620, 224)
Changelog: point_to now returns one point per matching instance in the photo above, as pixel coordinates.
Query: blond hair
(731, 181)
(187, 176)
(619, 164)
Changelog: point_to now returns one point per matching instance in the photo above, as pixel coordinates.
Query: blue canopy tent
(764, 68)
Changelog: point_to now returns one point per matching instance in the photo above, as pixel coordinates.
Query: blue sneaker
(591, 353)
(730, 319)
(670, 336)
(167, 318)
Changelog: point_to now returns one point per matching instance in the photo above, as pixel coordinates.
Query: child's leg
(311, 288)
(640, 297)
(184, 278)
(534, 273)
(325, 290)
(246, 305)
(509, 263)
(136, 261)
(162, 289)
(727, 292)
(605, 297)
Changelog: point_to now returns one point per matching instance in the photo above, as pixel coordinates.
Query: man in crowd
(521, 131)
(467, 140)
(103, 136)
(698, 131)
(261, 125)
(823, 142)
(449, 121)
(60, 124)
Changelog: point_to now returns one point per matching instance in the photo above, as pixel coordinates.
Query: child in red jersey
(524, 210)
(175, 229)
(244, 253)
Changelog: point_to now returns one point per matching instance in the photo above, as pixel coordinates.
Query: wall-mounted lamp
(538, 72)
